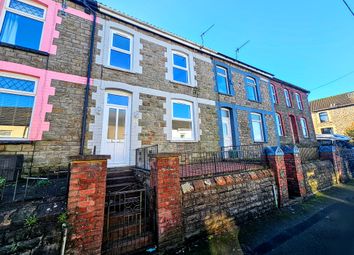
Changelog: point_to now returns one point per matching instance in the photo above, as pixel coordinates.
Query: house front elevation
(89, 79)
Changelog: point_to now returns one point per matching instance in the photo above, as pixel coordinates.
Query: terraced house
(88, 79)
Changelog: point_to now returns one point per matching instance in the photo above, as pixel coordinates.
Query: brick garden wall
(240, 195)
(318, 175)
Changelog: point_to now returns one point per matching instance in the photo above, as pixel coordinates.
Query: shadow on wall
(222, 234)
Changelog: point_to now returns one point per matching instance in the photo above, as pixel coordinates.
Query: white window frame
(279, 124)
(261, 125)
(304, 127)
(226, 76)
(21, 93)
(255, 89)
(274, 94)
(298, 101)
(319, 116)
(179, 101)
(287, 98)
(174, 52)
(328, 128)
(9, 9)
(111, 47)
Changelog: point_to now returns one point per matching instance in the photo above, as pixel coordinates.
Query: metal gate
(129, 221)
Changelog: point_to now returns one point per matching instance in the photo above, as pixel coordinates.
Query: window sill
(254, 101)
(225, 94)
(182, 83)
(15, 141)
(121, 69)
(183, 141)
(39, 52)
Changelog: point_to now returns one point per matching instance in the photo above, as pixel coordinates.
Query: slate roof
(332, 102)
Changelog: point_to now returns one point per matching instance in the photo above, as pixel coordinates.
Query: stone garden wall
(31, 227)
(318, 175)
(242, 195)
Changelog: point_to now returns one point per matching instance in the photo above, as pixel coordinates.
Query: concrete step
(120, 187)
(120, 179)
(118, 173)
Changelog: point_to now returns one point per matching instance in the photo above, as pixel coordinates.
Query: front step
(120, 179)
(120, 187)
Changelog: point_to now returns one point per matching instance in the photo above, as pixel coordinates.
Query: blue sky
(308, 43)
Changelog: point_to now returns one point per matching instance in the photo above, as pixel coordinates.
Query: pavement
(324, 224)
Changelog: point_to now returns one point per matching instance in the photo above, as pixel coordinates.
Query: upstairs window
(304, 128)
(182, 120)
(222, 80)
(257, 127)
(298, 101)
(323, 117)
(22, 24)
(279, 122)
(121, 51)
(274, 94)
(17, 95)
(251, 89)
(287, 98)
(180, 67)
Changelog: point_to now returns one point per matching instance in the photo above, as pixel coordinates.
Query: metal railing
(129, 221)
(143, 155)
(36, 186)
(227, 160)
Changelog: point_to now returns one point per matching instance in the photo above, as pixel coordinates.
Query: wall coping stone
(89, 157)
(165, 155)
(274, 151)
(287, 149)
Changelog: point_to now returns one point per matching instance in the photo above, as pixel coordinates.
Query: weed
(30, 221)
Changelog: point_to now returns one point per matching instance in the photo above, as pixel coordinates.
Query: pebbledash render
(147, 87)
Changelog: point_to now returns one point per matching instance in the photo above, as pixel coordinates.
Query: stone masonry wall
(284, 111)
(339, 119)
(153, 125)
(318, 175)
(244, 129)
(62, 139)
(242, 195)
(21, 235)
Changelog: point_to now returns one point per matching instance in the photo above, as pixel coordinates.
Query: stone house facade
(333, 115)
(292, 113)
(147, 87)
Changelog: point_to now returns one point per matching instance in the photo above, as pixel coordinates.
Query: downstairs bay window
(22, 23)
(182, 120)
(17, 96)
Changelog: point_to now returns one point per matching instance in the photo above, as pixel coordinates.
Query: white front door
(226, 127)
(116, 128)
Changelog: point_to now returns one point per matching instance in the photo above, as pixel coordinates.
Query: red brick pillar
(166, 181)
(86, 203)
(276, 162)
(294, 172)
(329, 153)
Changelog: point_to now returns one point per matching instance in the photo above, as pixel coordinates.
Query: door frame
(295, 133)
(231, 127)
(127, 148)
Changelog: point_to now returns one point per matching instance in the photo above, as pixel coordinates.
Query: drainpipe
(89, 70)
